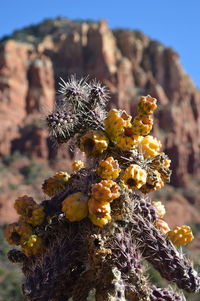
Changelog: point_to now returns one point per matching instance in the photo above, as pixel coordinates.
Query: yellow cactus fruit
(166, 163)
(33, 246)
(120, 130)
(150, 147)
(34, 216)
(142, 125)
(23, 204)
(126, 140)
(162, 226)
(55, 184)
(100, 209)
(180, 236)
(77, 165)
(134, 176)
(154, 182)
(147, 105)
(17, 233)
(160, 209)
(161, 163)
(116, 121)
(105, 191)
(108, 169)
(94, 143)
(99, 221)
(30, 211)
(75, 207)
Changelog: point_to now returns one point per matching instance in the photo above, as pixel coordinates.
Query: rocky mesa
(129, 63)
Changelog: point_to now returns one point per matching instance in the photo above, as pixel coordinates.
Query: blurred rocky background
(130, 64)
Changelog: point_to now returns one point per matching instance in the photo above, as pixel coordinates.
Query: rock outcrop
(128, 62)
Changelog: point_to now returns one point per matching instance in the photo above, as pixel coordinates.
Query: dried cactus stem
(113, 249)
(52, 275)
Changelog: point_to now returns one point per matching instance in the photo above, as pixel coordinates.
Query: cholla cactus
(87, 241)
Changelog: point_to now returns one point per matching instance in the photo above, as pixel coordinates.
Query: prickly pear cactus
(87, 241)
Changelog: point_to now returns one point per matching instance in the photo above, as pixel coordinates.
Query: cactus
(158, 294)
(89, 239)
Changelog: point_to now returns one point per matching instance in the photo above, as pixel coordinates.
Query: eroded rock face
(26, 88)
(128, 62)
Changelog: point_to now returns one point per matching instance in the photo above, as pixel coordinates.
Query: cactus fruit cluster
(89, 238)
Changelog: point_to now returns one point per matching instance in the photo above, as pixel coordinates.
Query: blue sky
(176, 23)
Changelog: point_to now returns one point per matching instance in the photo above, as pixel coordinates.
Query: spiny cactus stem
(163, 294)
(160, 252)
